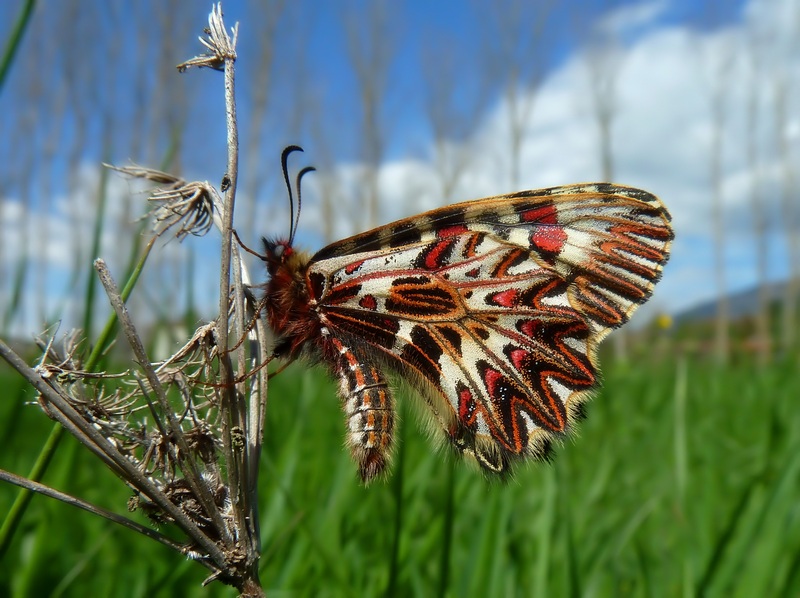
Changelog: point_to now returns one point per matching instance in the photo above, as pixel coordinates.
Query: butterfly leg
(369, 410)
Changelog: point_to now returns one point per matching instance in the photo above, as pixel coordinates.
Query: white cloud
(631, 18)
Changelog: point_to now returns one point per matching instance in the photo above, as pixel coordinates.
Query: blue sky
(660, 138)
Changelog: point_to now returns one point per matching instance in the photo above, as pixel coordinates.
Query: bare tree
(26, 177)
(790, 214)
(717, 63)
(30, 269)
(370, 38)
(517, 50)
(603, 61)
(82, 80)
(327, 180)
(167, 98)
(452, 106)
(717, 108)
(268, 15)
(758, 209)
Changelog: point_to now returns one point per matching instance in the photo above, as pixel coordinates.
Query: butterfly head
(277, 253)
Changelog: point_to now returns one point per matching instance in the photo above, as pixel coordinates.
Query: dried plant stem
(241, 428)
(232, 405)
(86, 506)
(247, 489)
(188, 466)
(258, 411)
(76, 425)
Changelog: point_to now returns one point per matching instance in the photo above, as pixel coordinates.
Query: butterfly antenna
(284, 164)
(300, 176)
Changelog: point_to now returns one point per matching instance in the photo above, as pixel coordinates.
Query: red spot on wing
(466, 407)
(368, 302)
(506, 298)
(451, 231)
(492, 378)
(548, 236)
(433, 259)
(546, 214)
(518, 358)
(351, 268)
(530, 328)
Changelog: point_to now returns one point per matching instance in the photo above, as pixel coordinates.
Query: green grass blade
(97, 232)
(15, 514)
(17, 289)
(447, 532)
(545, 533)
(725, 538)
(14, 41)
(397, 491)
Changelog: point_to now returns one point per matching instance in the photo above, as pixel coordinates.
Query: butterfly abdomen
(368, 406)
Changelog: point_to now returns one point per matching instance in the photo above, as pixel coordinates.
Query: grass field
(684, 481)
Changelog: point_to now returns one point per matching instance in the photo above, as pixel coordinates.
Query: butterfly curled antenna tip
(284, 166)
(300, 176)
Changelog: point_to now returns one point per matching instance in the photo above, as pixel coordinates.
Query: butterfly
(491, 309)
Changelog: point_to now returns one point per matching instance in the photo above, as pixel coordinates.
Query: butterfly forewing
(492, 309)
